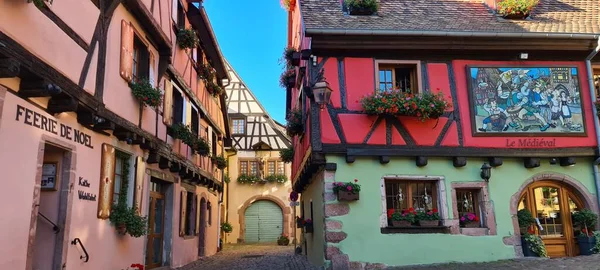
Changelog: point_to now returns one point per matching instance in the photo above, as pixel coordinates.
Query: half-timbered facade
(258, 204)
(78, 150)
(521, 97)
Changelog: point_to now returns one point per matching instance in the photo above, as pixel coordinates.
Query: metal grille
(401, 195)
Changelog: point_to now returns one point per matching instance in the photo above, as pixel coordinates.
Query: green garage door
(264, 222)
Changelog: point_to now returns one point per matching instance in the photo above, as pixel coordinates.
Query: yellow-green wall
(366, 243)
(315, 242)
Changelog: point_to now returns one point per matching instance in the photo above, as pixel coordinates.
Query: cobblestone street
(252, 257)
(575, 263)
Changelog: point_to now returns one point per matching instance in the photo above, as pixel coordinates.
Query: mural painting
(525, 100)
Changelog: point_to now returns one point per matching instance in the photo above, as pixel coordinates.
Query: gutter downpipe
(590, 74)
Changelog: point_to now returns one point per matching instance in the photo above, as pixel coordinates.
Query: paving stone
(253, 257)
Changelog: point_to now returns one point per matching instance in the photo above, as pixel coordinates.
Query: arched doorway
(552, 203)
(263, 222)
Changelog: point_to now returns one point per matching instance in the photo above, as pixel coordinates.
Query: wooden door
(156, 222)
(552, 203)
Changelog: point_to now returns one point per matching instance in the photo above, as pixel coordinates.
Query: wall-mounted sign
(50, 125)
(87, 196)
(532, 142)
(49, 176)
(517, 101)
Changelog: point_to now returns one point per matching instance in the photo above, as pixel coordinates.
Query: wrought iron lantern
(486, 172)
(322, 93)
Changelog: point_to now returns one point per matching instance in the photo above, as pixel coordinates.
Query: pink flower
(462, 219)
(349, 188)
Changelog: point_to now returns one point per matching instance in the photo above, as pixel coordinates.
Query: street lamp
(322, 93)
(486, 172)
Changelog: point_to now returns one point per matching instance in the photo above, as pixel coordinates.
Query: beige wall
(241, 195)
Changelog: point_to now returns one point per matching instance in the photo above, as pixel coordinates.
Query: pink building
(86, 145)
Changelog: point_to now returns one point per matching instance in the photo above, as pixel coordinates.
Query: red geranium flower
(411, 209)
(434, 210)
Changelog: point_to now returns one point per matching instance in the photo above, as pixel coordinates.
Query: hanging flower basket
(348, 191)
(308, 226)
(186, 38)
(143, 91)
(294, 124)
(201, 146)
(288, 78)
(214, 89)
(397, 103)
(287, 154)
(220, 161)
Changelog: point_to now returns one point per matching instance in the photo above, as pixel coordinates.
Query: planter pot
(401, 223)
(586, 244)
(296, 59)
(283, 242)
(515, 16)
(360, 11)
(429, 223)
(526, 250)
(121, 229)
(202, 152)
(347, 196)
(308, 228)
(472, 225)
(299, 224)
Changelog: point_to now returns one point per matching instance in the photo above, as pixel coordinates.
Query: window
(195, 121)
(280, 167)
(239, 126)
(243, 167)
(214, 143)
(178, 106)
(401, 75)
(420, 195)
(180, 15)
(271, 167)
(141, 60)
(253, 168)
(190, 215)
(467, 201)
(122, 166)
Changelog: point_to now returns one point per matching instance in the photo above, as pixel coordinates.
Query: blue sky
(252, 36)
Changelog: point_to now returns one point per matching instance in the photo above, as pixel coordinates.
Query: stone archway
(287, 215)
(579, 189)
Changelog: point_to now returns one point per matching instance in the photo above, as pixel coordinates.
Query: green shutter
(264, 222)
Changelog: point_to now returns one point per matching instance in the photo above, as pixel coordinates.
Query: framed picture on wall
(49, 176)
(525, 101)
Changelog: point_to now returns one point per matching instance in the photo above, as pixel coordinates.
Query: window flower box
(516, 9)
(393, 103)
(405, 218)
(428, 218)
(145, 93)
(469, 220)
(401, 223)
(347, 191)
(187, 39)
(294, 126)
(429, 223)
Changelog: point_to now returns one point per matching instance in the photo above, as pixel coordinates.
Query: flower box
(429, 223)
(401, 223)
(347, 196)
(515, 16)
(361, 11)
(471, 225)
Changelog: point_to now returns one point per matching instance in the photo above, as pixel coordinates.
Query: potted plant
(469, 220)
(404, 219)
(308, 226)
(362, 7)
(299, 222)
(147, 94)
(533, 246)
(220, 161)
(288, 4)
(214, 88)
(397, 103)
(226, 227)
(201, 146)
(248, 179)
(525, 219)
(287, 154)
(181, 132)
(429, 218)
(347, 191)
(276, 178)
(288, 78)
(586, 221)
(291, 57)
(516, 9)
(186, 38)
(294, 124)
(283, 240)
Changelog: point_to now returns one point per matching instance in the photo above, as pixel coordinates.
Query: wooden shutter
(107, 181)
(174, 10)
(188, 112)
(168, 103)
(140, 176)
(209, 137)
(182, 213)
(126, 51)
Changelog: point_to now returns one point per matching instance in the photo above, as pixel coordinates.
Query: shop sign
(38, 120)
(86, 196)
(532, 142)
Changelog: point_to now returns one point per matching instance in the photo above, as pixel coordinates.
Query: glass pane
(422, 196)
(117, 188)
(157, 250)
(118, 166)
(523, 202)
(467, 204)
(388, 75)
(382, 76)
(572, 209)
(382, 86)
(158, 215)
(548, 213)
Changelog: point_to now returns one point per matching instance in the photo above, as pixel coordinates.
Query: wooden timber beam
(9, 67)
(164, 162)
(62, 103)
